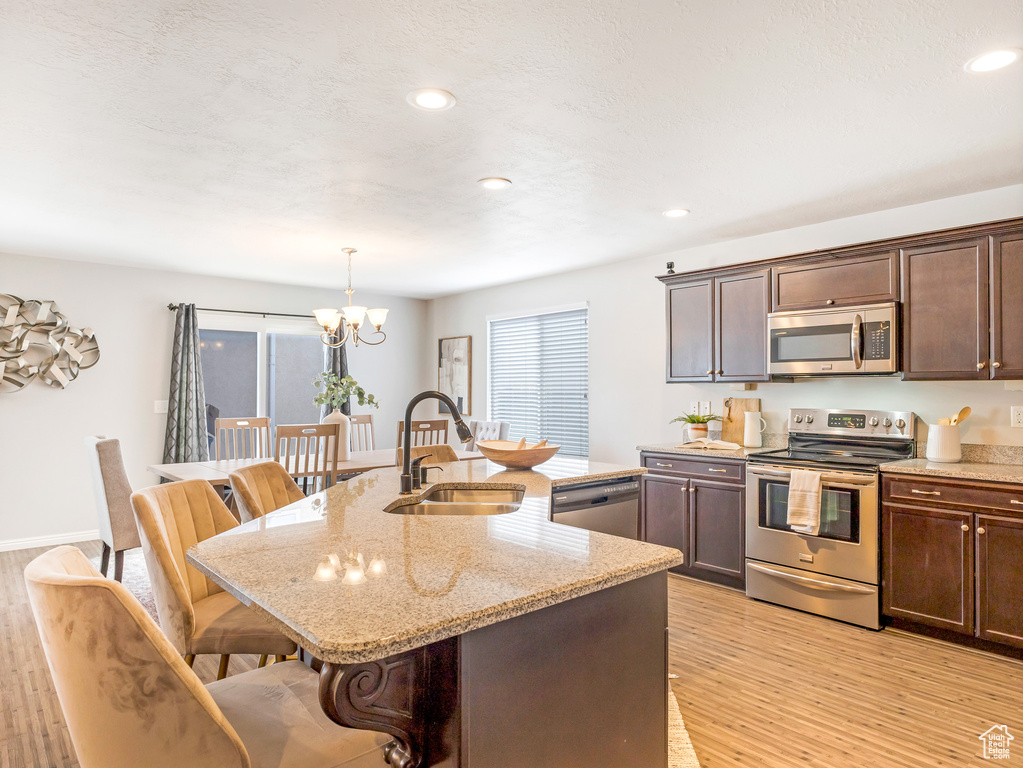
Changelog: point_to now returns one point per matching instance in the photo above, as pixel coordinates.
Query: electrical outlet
(694, 407)
(1016, 413)
(160, 406)
(705, 407)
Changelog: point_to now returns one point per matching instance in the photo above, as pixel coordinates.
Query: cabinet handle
(926, 493)
(717, 470)
(663, 465)
(719, 372)
(965, 527)
(692, 490)
(710, 373)
(980, 366)
(831, 301)
(996, 364)
(980, 530)
(1013, 501)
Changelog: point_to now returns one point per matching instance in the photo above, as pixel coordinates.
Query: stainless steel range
(836, 572)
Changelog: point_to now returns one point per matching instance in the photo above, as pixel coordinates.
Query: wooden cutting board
(734, 417)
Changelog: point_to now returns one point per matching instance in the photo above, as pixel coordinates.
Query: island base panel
(575, 685)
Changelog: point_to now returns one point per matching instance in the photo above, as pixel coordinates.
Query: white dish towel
(804, 509)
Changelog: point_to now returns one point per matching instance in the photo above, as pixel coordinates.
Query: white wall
(45, 489)
(630, 403)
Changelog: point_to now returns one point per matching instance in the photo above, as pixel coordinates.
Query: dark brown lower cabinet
(1000, 579)
(704, 519)
(716, 529)
(927, 566)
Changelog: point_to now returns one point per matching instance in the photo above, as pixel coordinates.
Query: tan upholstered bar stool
(438, 454)
(129, 700)
(196, 615)
(110, 485)
(262, 488)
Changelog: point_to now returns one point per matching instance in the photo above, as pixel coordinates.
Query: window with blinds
(539, 378)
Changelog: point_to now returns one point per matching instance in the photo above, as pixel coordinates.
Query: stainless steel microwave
(834, 342)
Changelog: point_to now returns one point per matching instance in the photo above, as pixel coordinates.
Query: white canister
(752, 428)
(943, 444)
(344, 430)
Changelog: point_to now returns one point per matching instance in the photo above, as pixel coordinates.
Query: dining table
(216, 472)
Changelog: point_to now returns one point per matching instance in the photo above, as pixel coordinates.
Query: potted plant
(696, 423)
(336, 392)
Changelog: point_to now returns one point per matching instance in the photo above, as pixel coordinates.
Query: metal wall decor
(37, 341)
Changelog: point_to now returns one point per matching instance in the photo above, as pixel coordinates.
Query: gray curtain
(336, 362)
(186, 411)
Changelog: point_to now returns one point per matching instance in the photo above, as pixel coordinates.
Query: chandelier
(352, 318)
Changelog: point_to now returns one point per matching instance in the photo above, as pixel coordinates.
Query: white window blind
(539, 372)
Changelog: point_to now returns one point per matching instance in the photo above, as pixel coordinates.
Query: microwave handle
(856, 341)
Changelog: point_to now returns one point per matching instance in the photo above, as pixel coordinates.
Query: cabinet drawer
(838, 282)
(690, 467)
(909, 490)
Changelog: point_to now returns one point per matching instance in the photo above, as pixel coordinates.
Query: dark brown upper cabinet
(838, 282)
(945, 311)
(717, 328)
(1007, 306)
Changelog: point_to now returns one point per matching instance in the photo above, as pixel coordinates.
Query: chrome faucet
(464, 435)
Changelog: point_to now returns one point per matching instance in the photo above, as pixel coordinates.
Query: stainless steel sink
(452, 508)
(476, 495)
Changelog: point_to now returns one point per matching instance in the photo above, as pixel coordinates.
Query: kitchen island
(485, 640)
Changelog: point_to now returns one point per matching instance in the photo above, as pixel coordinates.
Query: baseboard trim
(48, 541)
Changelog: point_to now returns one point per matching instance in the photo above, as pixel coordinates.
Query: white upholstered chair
(487, 430)
(196, 614)
(129, 700)
(110, 486)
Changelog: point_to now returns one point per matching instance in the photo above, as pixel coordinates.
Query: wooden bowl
(507, 453)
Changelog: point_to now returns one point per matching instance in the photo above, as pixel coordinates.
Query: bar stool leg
(222, 672)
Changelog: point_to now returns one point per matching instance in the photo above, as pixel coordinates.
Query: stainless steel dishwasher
(604, 507)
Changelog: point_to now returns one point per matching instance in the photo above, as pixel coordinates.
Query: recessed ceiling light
(431, 99)
(989, 62)
(494, 183)
(675, 213)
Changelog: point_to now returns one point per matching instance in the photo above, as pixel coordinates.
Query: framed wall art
(454, 372)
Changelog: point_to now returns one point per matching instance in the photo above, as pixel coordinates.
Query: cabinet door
(838, 282)
(716, 529)
(945, 311)
(1007, 306)
(1000, 579)
(663, 503)
(690, 332)
(927, 566)
(741, 327)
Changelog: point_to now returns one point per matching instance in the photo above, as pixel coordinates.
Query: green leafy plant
(337, 391)
(695, 418)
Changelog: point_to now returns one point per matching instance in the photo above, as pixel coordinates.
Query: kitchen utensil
(734, 417)
(943, 444)
(753, 426)
(961, 416)
(510, 454)
(541, 444)
(944, 422)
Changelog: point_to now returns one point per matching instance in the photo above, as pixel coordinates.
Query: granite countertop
(1001, 473)
(735, 453)
(427, 577)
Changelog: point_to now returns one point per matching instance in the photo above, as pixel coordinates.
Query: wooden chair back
(242, 438)
(309, 453)
(425, 432)
(362, 433)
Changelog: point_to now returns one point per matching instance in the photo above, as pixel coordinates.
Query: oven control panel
(837, 421)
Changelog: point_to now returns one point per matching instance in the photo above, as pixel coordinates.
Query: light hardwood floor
(758, 685)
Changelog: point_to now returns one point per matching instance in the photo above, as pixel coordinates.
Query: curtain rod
(173, 307)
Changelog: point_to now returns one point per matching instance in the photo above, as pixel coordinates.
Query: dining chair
(487, 430)
(362, 433)
(196, 614)
(263, 488)
(129, 700)
(309, 453)
(242, 438)
(112, 490)
(425, 432)
(441, 453)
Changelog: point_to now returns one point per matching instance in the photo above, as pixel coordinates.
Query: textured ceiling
(258, 138)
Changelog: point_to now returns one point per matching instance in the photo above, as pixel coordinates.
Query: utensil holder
(943, 446)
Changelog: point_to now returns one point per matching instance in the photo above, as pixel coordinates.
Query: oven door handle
(855, 341)
(826, 478)
(828, 586)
